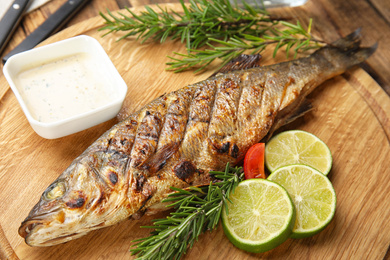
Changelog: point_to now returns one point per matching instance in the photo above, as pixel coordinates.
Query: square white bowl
(97, 66)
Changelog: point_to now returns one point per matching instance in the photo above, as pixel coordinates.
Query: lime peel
(297, 147)
(313, 195)
(261, 217)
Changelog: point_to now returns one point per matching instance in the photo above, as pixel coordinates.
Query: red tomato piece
(254, 162)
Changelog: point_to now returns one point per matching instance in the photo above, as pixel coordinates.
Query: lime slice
(260, 217)
(313, 196)
(297, 147)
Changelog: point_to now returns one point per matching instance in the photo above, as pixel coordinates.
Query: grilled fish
(176, 140)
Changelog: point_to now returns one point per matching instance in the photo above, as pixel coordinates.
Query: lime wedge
(297, 147)
(313, 196)
(260, 217)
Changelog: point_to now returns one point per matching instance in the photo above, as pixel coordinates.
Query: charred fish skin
(176, 140)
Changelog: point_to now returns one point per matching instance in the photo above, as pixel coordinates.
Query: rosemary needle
(212, 29)
(197, 210)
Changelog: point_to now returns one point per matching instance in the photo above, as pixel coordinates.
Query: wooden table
(331, 18)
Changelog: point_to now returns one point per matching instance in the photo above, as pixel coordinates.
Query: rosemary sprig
(225, 29)
(196, 23)
(294, 38)
(196, 210)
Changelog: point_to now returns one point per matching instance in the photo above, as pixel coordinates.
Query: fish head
(71, 206)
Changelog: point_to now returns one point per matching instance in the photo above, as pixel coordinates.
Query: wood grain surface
(352, 116)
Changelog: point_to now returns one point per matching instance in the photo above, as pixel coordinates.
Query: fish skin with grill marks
(176, 140)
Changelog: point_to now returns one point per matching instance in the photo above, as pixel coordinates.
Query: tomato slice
(254, 162)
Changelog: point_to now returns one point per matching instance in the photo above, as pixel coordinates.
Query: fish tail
(350, 44)
(347, 52)
(363, 53)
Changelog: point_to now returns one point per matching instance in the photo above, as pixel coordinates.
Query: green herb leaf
(227, 29)
(197, 209)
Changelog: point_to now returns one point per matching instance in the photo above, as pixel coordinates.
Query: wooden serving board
(352, 115)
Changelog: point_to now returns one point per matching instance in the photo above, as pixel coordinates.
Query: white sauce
(64, 88)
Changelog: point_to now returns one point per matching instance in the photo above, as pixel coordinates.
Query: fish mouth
(34, 220)
(26, 227)
(26, 230)
(59, 240)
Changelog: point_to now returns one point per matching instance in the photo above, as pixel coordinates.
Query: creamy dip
(66, 87)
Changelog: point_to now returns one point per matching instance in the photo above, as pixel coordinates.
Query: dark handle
(11, 20)
(49, 27)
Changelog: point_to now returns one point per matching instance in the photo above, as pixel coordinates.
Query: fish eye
(55, 190)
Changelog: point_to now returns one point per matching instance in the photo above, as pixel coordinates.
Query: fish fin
(155, 162)
(302, 109)
(241, 62)
(305, 107)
